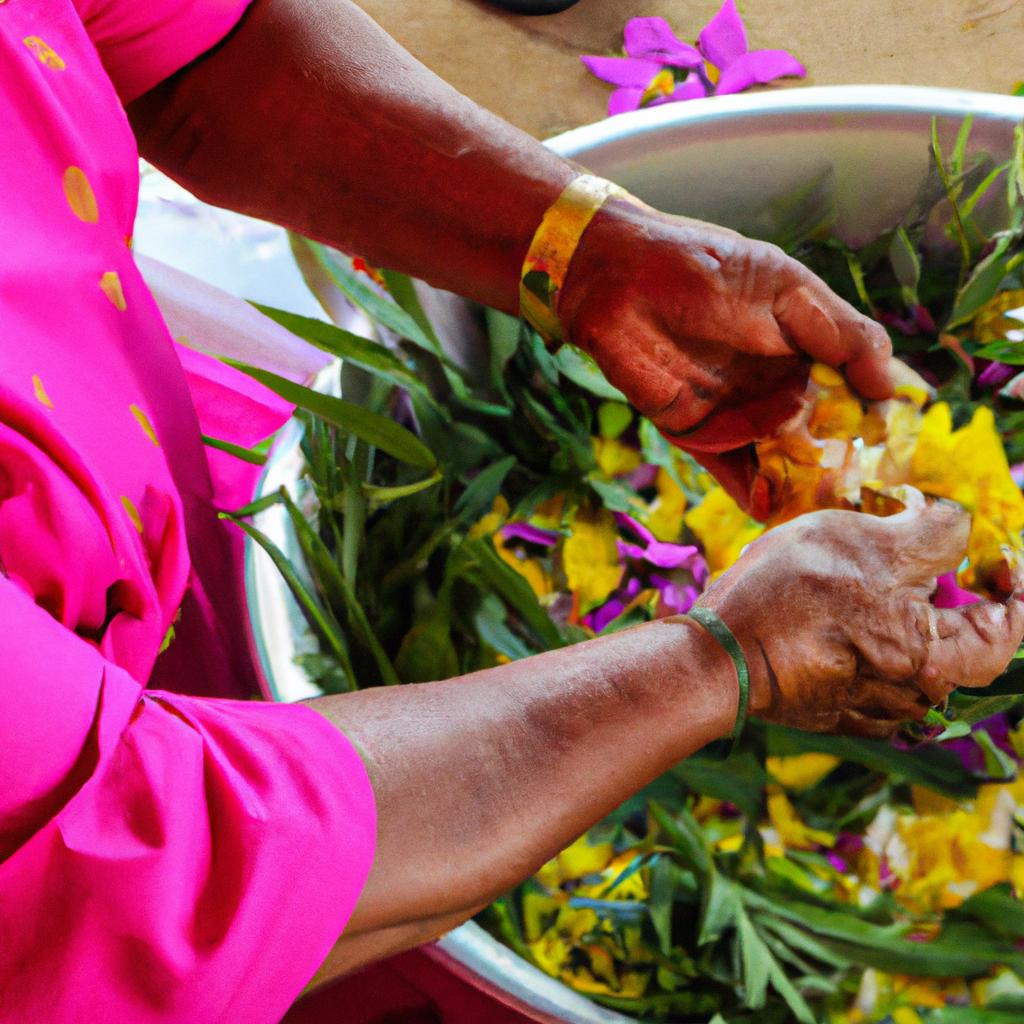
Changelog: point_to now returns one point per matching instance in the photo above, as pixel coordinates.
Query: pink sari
(162, 857)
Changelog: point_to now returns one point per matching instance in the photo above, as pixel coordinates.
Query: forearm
(310, 115)
(480, 780)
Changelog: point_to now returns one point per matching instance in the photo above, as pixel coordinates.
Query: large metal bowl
(724, 160)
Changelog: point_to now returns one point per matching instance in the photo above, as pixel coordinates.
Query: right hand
(833, 612)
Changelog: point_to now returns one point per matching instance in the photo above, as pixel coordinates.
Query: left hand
(710, 334)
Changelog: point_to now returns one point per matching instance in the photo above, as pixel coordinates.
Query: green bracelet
(724, 635)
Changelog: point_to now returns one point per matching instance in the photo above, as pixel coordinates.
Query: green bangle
(724, 635)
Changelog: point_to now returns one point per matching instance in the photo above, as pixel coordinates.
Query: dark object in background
(533, 6)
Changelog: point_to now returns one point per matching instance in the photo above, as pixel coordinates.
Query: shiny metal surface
(721, 159)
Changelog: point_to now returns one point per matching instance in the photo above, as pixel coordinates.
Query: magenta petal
(677, 598)
(630, 550)
(948, 594)
(623, 100)
(724, 39)
(994, 374)
(756, 68)
(531, 534)
(670, 556)
(638, 528)
(653, 39)
(623, 70)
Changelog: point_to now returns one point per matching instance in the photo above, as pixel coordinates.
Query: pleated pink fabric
(163, 856)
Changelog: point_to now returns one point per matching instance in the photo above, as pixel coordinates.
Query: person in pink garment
(171, 852)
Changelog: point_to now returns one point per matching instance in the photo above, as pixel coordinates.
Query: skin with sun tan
(309, 115)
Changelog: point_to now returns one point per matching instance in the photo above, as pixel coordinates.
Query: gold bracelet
(552, 249)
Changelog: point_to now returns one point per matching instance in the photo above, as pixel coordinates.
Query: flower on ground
(660, 68)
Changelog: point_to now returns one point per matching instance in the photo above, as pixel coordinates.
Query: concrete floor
(528, 69)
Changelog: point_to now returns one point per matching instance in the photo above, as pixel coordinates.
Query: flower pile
(452, 519)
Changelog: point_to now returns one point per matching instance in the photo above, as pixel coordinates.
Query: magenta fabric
(163, 857)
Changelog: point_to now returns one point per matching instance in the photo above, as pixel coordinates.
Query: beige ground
(528, 70)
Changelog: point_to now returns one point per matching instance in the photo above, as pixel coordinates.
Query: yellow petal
(80, 195)
(590, 556)
(801, 771)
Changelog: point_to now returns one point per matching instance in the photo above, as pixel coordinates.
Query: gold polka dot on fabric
(45, 53)
(147, 427)
(133, 512)
(40, 391)
(80, 195)
(110, 285)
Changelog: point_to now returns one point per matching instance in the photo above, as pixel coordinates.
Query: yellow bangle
(552, 249)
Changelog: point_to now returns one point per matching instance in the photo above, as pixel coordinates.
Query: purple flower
(676, 598)
(660, 68)
(994, 374)
(613, 607)
(531, 534)
(949, 594)
(659, 553)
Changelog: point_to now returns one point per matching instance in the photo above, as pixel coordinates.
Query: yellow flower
(969, 466)
(801, 771)
(791, 830)
(529, 568)
(590, 557)
(722, 528)
(665, 516)
(493, 521)
(991, 322)
(613, 457)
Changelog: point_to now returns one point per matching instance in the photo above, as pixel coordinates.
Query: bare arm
(481, 779)
(311, 116)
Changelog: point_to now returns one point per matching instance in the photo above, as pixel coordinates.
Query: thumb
(927, 541)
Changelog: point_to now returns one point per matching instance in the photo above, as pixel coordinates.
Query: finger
(927, 541)
(821, 324)
(854, 723)
(975, 643)
(893, 701)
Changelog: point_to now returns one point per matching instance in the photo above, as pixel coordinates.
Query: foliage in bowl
(451, 520)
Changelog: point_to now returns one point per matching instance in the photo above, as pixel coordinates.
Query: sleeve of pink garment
(163, 858)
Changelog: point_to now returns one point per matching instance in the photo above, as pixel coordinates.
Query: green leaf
(721, 908)
(979, 193)
(478, 498)
(257, 506)
(320, 619)
(982, 284)
(927, 765)
(584, 372)
(1002, 351)
(491, 623)
(244, 454)
(337, 589)
(958, 156)
(740, 780)
(381, 310)
(382, 495)
(659, 901)
(504, 333)
(998, 908)
(371, 427)
(906, 265)
(756, 960)
(363, 352)
(513, 589)
(612, 419)
(998, 764)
